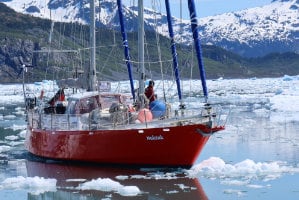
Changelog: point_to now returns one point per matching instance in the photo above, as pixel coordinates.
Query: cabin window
(82, 106)
(107, 101)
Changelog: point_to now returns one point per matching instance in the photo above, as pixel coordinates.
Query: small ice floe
(278, 91)
(16, 143)
(19, 111)
(232, 191)
(13, 140)
(185, 187)
(287, 78)
(12, 137)
(108, 185)
(247, 170)
(137, 176)
(257, 186)
(162, 176)
(129, 191)
(4, 148)
(234, 182)
(76, 180)
(9, 117)
(172, 192)
(34, 185)
(22, 134)
(18, 127)
(122, 177)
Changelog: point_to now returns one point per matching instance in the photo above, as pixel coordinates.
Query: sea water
(256, 157)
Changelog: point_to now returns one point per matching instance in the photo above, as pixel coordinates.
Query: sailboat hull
(173, 146)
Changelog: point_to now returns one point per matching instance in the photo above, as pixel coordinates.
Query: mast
(126, 47)
(141, 52)
(91, 76)
(173, 50)
(194, 27)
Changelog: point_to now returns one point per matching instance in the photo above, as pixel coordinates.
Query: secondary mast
(91, 76)
(141, 52)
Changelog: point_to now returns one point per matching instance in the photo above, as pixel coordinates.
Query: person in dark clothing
(149, 91)
(59, 96)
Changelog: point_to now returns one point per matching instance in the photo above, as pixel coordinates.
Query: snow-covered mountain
(251, 32)
(255, 31)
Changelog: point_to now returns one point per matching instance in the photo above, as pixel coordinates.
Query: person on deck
(149, 91)
(59, 96)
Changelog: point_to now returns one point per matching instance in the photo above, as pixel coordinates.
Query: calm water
(256, 157)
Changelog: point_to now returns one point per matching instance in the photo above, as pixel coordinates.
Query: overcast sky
(204, 7)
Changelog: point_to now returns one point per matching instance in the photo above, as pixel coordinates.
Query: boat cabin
(87, 102)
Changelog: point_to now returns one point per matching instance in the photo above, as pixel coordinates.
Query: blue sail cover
(126, 46)
(194, 27)
(173, 50)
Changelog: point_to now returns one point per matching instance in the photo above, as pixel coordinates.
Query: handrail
(119, 120)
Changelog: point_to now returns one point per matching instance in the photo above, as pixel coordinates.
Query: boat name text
(154, 137)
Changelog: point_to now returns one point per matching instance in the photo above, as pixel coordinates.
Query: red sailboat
(103, 127)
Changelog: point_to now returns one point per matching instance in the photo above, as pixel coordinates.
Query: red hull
(173, 146)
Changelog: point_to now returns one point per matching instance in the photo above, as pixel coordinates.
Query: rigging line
(74, 30)
(148, 56)
(181, 17)
(100, 46)
(191, 69)
(106, 61)
(60, 42)
(71, 67)
(154, 7)
(100, 11)
(181, 30)
(49, 43)
(81, 36)
(151, 62)
(170, 88)
(80, 60)
(56, 51)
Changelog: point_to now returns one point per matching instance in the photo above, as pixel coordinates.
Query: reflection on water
(259, 136)
(154, 184)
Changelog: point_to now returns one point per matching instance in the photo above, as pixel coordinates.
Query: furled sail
(173, 50)
(126, 46)
(194, 27)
